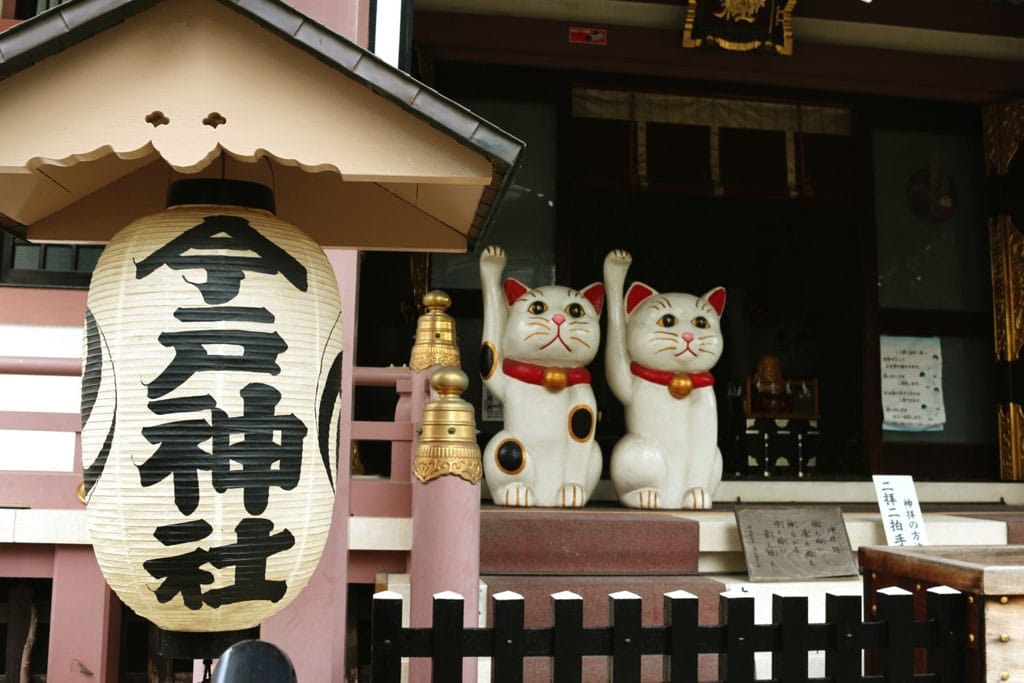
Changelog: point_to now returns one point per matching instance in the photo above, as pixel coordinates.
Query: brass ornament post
(448, 437)
(435, 334)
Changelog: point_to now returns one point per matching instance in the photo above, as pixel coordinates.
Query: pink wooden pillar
(85, 619)
(445, 554)
(311, 630)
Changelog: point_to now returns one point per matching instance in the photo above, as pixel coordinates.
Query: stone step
(589, 541)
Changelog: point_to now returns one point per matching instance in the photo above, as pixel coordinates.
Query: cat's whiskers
(535, 334)
(577, 339)
(666, 348)
(538, 323)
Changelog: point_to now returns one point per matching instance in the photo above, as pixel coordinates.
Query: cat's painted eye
(575, 310)
(700, 322)
(667, 320)
(537, 307)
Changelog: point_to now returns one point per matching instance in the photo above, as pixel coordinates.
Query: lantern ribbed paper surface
(209, 410)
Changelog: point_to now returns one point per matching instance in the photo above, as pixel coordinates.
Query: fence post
(679, 665)
(509, 638)
(844, 660)
(789, 615)
(896, 609)
(386, 637)
(625, 614)
(567, 658)
(947, 607)
(446, 637)
(736, 612)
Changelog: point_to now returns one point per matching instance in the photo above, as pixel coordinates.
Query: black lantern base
(200, 645)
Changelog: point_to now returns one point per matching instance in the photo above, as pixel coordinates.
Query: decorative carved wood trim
(1004, 131)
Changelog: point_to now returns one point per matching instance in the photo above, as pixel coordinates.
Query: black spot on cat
(510, 457)
(488, 360)
(581, 423)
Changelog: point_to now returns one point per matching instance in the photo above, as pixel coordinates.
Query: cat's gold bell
(680, 385)
(435, 334)
(555, 378)
(448, 437)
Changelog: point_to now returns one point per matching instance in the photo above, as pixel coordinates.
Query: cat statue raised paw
(536, 346)
(660, 348)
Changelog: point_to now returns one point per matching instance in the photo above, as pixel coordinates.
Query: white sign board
(900, 510)
(912, 384)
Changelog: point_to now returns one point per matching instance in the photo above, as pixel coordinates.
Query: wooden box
(991, 576)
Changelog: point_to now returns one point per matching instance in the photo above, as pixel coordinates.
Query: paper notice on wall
(912, 384)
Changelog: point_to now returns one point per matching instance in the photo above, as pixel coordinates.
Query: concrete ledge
(721, 551)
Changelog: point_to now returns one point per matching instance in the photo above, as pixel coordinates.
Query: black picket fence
(888, 640)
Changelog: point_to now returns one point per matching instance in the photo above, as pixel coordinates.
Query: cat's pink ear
(595, 295)
(637, 293)
(514, 289)
(716, 297)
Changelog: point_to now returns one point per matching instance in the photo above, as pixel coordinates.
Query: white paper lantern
(209, 410)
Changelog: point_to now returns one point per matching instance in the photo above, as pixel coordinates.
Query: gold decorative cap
(435, 334)
(448, 436)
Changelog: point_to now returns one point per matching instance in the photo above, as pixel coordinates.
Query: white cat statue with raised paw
(660, 348)
(536, 346)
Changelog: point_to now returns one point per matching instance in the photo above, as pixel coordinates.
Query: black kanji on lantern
(259, 354)
(249, 558)
(264, 461)
(224, 273)
(182, 574)
(269, 452)
(178, 455)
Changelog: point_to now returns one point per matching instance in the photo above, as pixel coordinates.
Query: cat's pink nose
(687, 337)
(558, 318)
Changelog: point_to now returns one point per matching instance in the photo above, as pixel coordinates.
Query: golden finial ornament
(435, 334)
(448, 436)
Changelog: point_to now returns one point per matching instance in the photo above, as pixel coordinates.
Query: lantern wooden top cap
(359, 154)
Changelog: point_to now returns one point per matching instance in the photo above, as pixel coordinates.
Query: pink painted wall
(40, 306)
(311, 630)
(349, 18)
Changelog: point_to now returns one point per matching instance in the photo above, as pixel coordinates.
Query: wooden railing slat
(447, 640)
(509, 638)
(736, 664)
(844, 660)
(681, 618)
(893, 637)
(567, 655)
(386, 638)
(948, 609)
(896, 609)
(789, 615)
(625, 616)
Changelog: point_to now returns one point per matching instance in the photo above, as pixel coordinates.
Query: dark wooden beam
(658, 53)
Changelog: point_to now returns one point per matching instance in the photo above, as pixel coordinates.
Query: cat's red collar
(679, 384)
(550, 377)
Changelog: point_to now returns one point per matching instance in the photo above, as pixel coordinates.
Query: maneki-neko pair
(660, 348)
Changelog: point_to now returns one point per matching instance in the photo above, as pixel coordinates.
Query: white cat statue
(660, 348)
(536, 346)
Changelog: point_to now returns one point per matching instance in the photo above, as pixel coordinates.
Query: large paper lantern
(209, 409)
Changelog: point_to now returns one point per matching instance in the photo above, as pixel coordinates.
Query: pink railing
(373, 497)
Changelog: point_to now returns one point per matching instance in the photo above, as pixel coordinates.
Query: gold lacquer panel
(1004, 131)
